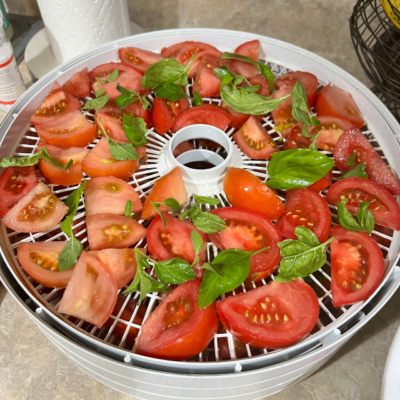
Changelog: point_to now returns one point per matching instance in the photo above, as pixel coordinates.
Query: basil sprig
(366, 220)
(135, 129)
(97, 103)
(297, 168)
(265, 71)
(129, 96)
(171, 203)
(128, 208)
(170, 91)
(357, 172)
(33, 160)
(197, 100)
(301, 257)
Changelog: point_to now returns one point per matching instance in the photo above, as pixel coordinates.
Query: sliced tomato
(323, 183)
(177, 329)
(174, 241)
(92, 293)
(79, 84)
(307, 208)
(249, 230)
(353, 141)
(383, 206)
(38, 211)
(205, 114)
(64, 177)
(169, 185)
(357, 266)
(100, 163)
(104, 70)
(262, 82)
(238, 119)
(68, 130)
(250, 49)
(255, 141)
(112, 125)
(164, 113)
(308, 81)
(138, 58)
(183, 148)
(109, 195)
(40, 261)
(295, 139)
(15, 183)
(243, 189)
(282, 115)
(273, 316)
(337, 103)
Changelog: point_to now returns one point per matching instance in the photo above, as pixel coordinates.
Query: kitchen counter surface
(32, 368)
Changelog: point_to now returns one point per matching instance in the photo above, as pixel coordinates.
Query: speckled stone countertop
(32, 368)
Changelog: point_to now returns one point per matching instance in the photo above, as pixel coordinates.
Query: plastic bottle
(11, 83)
(8, 29)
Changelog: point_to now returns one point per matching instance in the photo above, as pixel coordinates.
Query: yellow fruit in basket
(389, 12)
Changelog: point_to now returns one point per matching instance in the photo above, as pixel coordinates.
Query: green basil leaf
(156, 207)
(96, 104)
(197, 100)
(128, 209)
(213, 201)
(70, 254)
(351, 160)
(47, 157)
(213, 268)
(223, 71)
(129, 96)
(122, 151)
(206, 222)
(198, 244)
(301, 257)
(313, 145)
(172, 203)
(72, 202)
(135, 285)
(296, 168)
(365, 217)
(300, 111)
(99, 92)
(174, 271)
(345, 218)
(113, 76)
(304, 131)
(358, 172)
(170, 91)
(184, 215)
(249, 89)
(135, 129)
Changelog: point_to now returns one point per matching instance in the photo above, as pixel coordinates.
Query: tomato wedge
(282, 115)
(107, 231)
(249, 230)
(243, 189)
(92, 293)
(63, 177)
(109, 195)
(205, 114)
(273, 316)
(177, 329)
(183, 148)
(262, 82)
(206, 83)
(139, 59)
(164, 113)
(238, 119)
(353, 141)
(68, 130)
(323, 183)
(169, 185)
(100, 163)
(250, 49)
(383, 206)
(307, 208)
(357, 266)
(296, 140)
(15, 183)
(40, 261)
(254, 140)
(112, 125)
(174, 241)
(337, 103)
(79, 84)
(38, 211)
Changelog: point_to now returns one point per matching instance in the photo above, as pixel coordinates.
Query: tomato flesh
(323, 183)
(139, 59)
(206, 83)
(296, 140)
(79, 84)
(282, 115)
(250, 49)
(238, 119)
(112, 125)
(262, 82)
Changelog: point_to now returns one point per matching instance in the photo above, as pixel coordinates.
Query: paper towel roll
(76, 26)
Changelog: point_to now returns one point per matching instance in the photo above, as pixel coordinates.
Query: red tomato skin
(46, 277)
(377, 170)
(250, 49)
(374, 275)
(296, 298)
(262, 82)
(316, 208)
(139, 59)
(389, 218)
(97, 303)
(179, 342)
(262, 264)
(14, 218)
(183, 148)
(206, 83)
(79, 84)
(295, 139)
(334, 101)
(205, 114)
(24, 178)
(323, 183)
(106, 69)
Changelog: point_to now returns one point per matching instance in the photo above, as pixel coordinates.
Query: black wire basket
(376, 40)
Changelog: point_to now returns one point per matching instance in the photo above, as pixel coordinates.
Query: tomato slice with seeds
(114, 194)
(164, 113)
(282, 115)
(99, 162)
(174, 241)
(79, 84)
(354, 142)
(107, 231)
(112, 125)
(383, 206)
(177, 329)
(250, 49)
(243, 189)
(254, 140)
(262, 82)
(296, 140)
(15, 183)
(336, 102)
(69, 130)
(92, 293)
(272, 316)
(38, 211)
(307, 208)
(249, 230)
(139, 59)
(323, 183)
(40, 261)
(238, 119)
(357, 266)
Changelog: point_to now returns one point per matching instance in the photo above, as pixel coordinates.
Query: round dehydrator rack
(259, 372)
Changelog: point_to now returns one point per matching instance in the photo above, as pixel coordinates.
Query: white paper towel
(76, 26)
